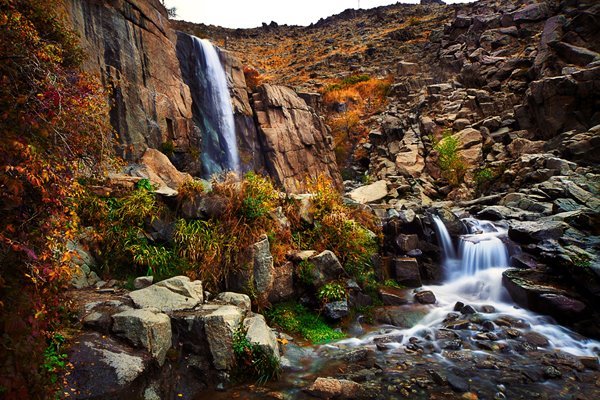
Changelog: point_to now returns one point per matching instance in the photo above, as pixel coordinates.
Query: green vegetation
(450, 161)
(297, 319)
(54, 359)
(259, 197)
(253, 360)
(332, 291)
(306, 271)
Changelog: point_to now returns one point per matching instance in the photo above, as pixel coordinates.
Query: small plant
(450, 161)
(297, 319)
(254, 360)
(144, 184)
(354, 79)
(135, 208)
(54, 359)
(483, 177)
(392, 283)
(306, 271)
(333, 291)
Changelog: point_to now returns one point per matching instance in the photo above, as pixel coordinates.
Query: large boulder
(258, 332)
(407, 271)
(535, 231)
(144, 328)
(325, 267)
(330, 388)
(219, 326)
(103, 367)
(173, 294)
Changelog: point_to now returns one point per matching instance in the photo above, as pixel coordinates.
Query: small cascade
(444, 238)
(219, 144)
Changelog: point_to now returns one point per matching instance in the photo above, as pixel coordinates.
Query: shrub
(253, 360)
(258, 196)
(450, 161)
(297, 319)
(253, 77)
(333, 291)
(54, 125)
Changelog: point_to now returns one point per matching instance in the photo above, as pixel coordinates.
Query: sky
(252, 13)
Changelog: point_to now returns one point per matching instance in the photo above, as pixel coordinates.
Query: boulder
(370, 193)
(283, 283)
(156, 167)
(391, 296)
(327, 267)
(103, 367)
(219, 327)
(535, 231)
(336, 310)
(329, 388)
(406, 271)
(258, 332)
(425, 297)
(144, 328)
(143, 282)
(236, 299)
(173, 294)
(263, 265)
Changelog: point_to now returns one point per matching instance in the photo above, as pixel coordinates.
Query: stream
(473, 343)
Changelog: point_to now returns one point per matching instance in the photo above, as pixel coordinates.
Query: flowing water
(219, 144)
(474, 337)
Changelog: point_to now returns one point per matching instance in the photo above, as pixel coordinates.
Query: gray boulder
(263, 265)
(258, 332)
(219, 327)
(236, 299)
(144, 328)
(336, 310)
(143, 282)
(173, 294)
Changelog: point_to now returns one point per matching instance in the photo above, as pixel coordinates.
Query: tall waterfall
(219, 145)
(444, 238)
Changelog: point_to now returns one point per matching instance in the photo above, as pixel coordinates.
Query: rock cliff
(130, 43)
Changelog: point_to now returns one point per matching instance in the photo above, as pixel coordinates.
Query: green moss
(297, 319)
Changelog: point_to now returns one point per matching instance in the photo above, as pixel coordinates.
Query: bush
(450, 161)
(333, 291)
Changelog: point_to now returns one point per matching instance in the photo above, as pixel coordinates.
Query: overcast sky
(252, 13)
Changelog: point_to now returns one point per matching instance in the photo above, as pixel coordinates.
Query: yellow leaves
(283, 341)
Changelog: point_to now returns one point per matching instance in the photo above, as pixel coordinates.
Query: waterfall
(479, 250)
(444, 238)
(219, 145)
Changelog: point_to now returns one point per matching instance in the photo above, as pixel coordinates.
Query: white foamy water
(475, 278)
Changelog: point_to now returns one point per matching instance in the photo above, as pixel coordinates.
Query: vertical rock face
(293, 137)
(129, 42)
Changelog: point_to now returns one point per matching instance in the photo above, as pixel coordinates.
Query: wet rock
(407, 243)
(590, 362)
(459, 324)
(551, 372)
(455, 344)
(336, 310)
(535, 339)
(487, 309)
(327, 388)
(534, 231)
(147, 329)
(400, 316)
(458, 306)
(425, 297)
(235, 299)
(142, 282)
(457, 383)
(382, 341)
(468, 309)
(488, 325)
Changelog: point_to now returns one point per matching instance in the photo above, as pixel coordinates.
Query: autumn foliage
(53, 120)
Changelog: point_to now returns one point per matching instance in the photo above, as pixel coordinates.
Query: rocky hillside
(493, 109)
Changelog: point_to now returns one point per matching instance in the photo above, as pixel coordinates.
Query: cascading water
(444, 238)
(220, 151)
